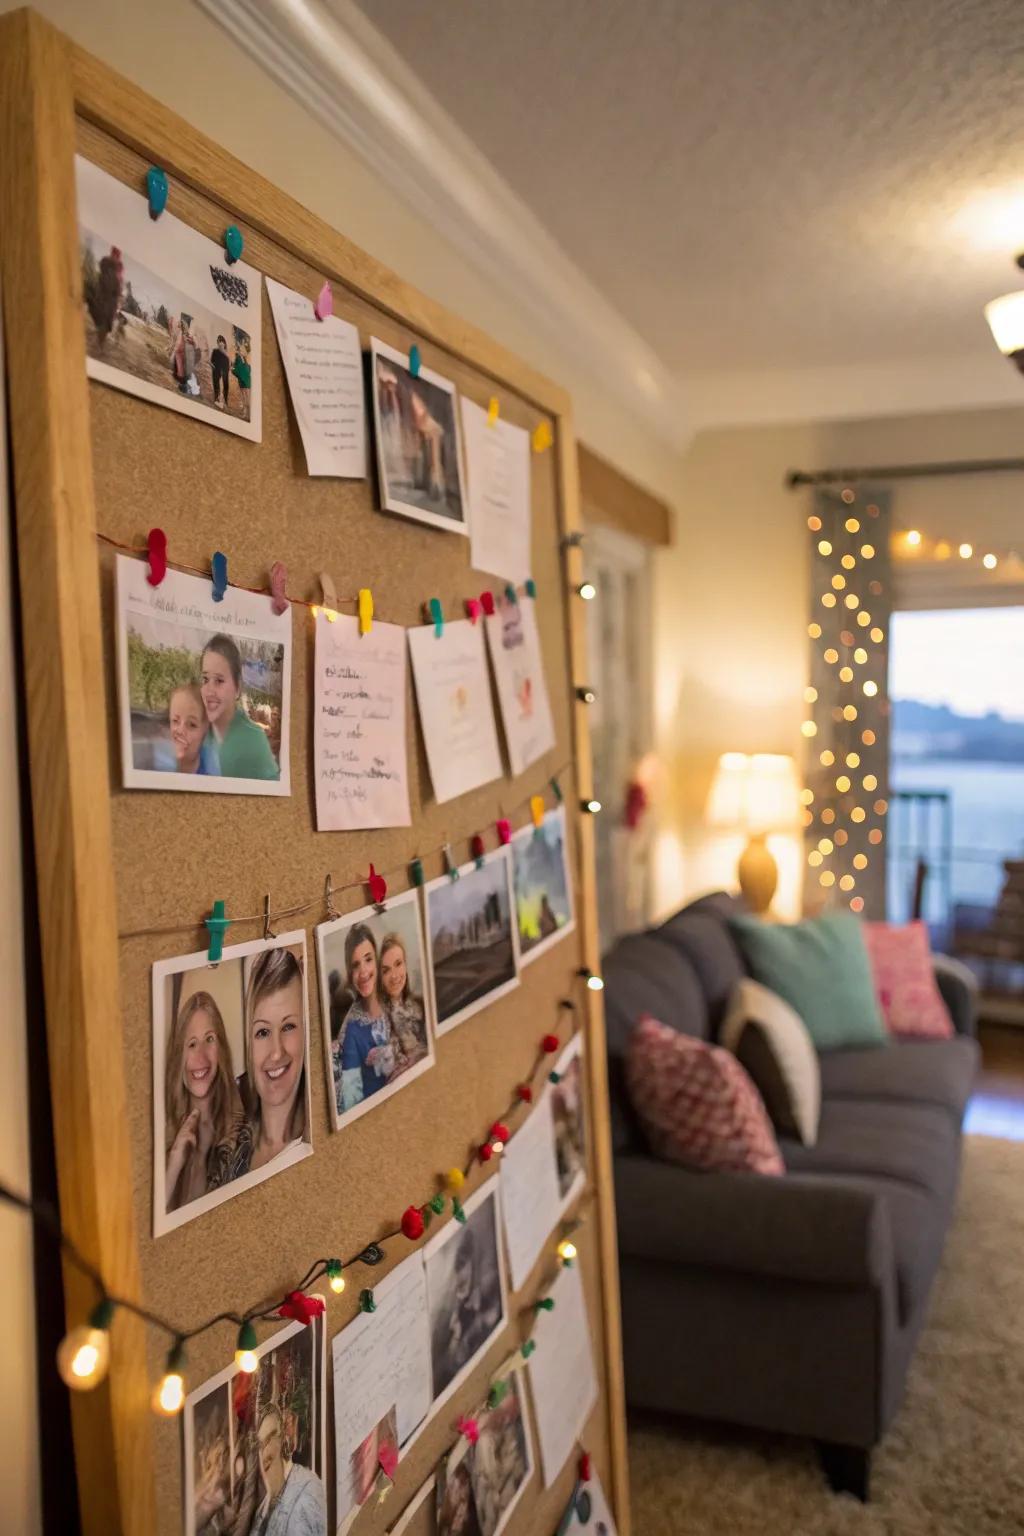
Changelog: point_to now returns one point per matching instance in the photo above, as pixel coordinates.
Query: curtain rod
(798, 477)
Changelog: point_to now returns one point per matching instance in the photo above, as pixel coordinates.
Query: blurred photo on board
(543, 885)
(474, 954)
(417, 434)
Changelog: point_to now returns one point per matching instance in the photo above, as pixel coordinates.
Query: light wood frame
(45, 83)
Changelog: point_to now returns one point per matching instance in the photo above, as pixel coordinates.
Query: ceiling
(756, 187)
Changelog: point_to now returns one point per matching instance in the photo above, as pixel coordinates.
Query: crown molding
(340, 68)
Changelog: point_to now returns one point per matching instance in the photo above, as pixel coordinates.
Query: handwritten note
(454, 698)
(381, 1363)
(498, 472)
(324, 367)
(562, 1380)
(359, 756)
(530, 1199)
(519, 673)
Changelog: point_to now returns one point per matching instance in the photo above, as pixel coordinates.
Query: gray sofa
(793, 1303)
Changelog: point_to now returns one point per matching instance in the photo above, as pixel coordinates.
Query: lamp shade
(757, 792)
(1005, 317)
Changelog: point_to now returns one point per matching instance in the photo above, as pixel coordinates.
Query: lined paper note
(324, 367)
(498, 475)
(454, 697)
(359, 750)
(562, 1380)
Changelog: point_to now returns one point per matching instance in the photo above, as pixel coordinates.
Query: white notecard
(514, 643)
(323, 364)
(530, 1199)
(498, 475)
(562, 1379)
(454, 697)
(360, 763)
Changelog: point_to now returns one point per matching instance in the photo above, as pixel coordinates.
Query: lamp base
(758, 874)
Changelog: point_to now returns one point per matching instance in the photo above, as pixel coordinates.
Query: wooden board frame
(46, 82)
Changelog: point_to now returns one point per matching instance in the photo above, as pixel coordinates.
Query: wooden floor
(997, 1104)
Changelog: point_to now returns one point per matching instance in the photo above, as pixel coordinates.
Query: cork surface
(174, 854)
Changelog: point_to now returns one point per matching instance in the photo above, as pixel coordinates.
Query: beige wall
(730, 599)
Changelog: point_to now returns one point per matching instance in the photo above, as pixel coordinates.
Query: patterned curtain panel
(847, 727)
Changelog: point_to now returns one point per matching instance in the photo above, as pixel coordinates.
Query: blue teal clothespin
(436, 616)
(416, 872)
(531, 587)
(233, 244)
(219, 567)
(449, 863)
(414, 361)
(511, 595)
(556, 790)
(156, 190)
(218, 925)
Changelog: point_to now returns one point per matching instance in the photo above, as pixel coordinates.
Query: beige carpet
(952, 1463)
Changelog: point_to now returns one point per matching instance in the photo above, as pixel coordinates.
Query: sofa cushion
(909, 1071)
(821, 968)
(769, 1041)
(697, 1105)
(912, 1144)
(901, 967)
(701, 933)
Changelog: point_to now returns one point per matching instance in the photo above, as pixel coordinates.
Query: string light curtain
(846, 728)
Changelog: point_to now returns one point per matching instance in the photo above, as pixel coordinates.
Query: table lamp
(756, 793)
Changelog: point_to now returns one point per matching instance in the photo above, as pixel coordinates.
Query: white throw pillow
(770, 1040)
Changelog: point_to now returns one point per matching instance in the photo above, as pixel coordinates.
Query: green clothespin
(218, 925)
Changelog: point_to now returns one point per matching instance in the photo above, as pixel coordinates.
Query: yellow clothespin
(365, 610)
(330, 605)
(542, 437)
(537, 809)
(493, 410)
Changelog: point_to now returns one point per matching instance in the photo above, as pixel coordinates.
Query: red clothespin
(301, 1308)
(487, 603)
(504, 827)
(473, 609)
(157, 556)
(278, 595)
(477, 849)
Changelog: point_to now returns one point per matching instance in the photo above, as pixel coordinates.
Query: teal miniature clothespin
(497, 1395)
(219, 570)
(436, 616)
(233, 244)
(416, 871)
(556, 790)
(511, 595)
(156, 190)
(530, 586)
(366, 1301)
(527, 1348)
(449, 863)
(414, 361)
(218, 925)
(546, 1304)
(458, 1211)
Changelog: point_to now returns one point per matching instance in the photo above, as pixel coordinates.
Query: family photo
(570, 1130)
(501, 1461)
(374, 995)
(230, 1074)
(543, 886)
(204, 693)
(254, 1444)
(166, 318)
(465, 1290)
(418, 453)
(474, 955)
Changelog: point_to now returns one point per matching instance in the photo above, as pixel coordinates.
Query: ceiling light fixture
(1005, 317)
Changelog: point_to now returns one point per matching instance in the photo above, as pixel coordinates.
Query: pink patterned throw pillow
(696, 1103)
(908, 994)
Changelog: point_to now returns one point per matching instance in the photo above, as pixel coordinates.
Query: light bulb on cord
(590, 807)
(169, 1397)
(566, 1251)
(246, 1357)
(335, 1278)
(84, 1353)
(587, 591)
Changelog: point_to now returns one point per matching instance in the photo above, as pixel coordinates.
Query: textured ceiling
(754, 184)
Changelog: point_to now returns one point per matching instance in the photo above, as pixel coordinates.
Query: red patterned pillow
(696, 1103)
(908, 994)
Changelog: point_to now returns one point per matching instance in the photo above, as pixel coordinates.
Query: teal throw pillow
(821, 968)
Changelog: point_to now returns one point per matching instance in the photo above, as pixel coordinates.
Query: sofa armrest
(959, 987)
(794, 1227)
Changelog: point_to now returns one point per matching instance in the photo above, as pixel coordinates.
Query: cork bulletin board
(95, 468)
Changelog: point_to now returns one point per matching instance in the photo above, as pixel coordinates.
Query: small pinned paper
(498, 474)
(530, 1199)
(360, 764)
(514, 643)
(562, 1379)
(454, 697)
(324, 368)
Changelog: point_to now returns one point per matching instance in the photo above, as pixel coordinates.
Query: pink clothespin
(278, 595)
(324, 305)
(473, 609)
(157, 556)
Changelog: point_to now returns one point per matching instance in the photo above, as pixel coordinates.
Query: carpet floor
(952, 1463)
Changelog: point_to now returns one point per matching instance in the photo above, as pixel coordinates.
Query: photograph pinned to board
(453, 692)
(360, 759)
(543, 885)
(204, 688)
(531, 1199)
(480, 1484)
(323, 363)
(471, 939)
(514, 644)
(418, 450)
(589, 1511)
(563, 1382)
(567, 1101)
(498, 492)
(382, 1381)
(254, 1457)
(231, 1101)
(466, 1300)
(375, 1001)
(167, 318)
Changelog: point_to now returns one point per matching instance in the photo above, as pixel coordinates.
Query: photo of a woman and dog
(230, 1074)
(202, 708)
(378, 1033)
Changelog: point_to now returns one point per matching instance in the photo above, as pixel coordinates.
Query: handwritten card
(360, 766)
(498, 472)
(562, 1380)
(454, 697)
(519, 673)
(530, 1199)
(324, 367)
